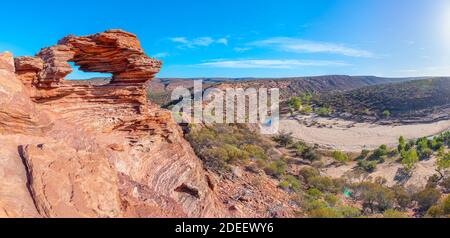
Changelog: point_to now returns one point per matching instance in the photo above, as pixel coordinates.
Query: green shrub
(284, 185)
(340, 157)
(284, 139)
(299, 148)
(323, 111)
(402, 197)
(324, 212)
(324, 184)
(292, 183)
(401, 144)
(391, 213)
(310, 154)
(308, 172)
(349, 212)
(368, 166)
(427, 198)
(331, 199)
(440, 210)
(380, 152)
(445, 184)
(409, 159)
(276, 168)
(364, 154)
(255, 152)
(294, 103)
(435, 211)
(374, 196)
(314, 193)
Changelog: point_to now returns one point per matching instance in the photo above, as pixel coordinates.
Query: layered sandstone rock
(78, 149)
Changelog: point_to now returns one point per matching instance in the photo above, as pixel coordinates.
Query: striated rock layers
(79, 149)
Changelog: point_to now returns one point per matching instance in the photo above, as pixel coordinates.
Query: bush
(314, 193)
(427, 198)
(349, 212)
(409, 159)
(255, 152)
(368, 166)
(323, 111)
(324, 184)
(284, 185)
(292, 183)
(435, 211)
(222, 145)
(276, 168)
(299, 148)
(308, 173)
(331, 199)
(310, 154)
(445, 184)
(294, 103)
(425, 153)
(324, 212)
(440, 210)
(374, 196)
(284, 139)
(402, 197)
(446, 205)
(380, 152)
(312, 204)
(391, 213)
(340, 157)
(364, 154)
(401, 144)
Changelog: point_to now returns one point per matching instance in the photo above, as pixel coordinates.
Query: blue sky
(253, 38)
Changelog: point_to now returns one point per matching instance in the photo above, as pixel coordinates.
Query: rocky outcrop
(79, 149)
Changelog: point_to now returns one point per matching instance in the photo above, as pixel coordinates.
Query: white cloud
(179, 40)
(222, 41)
(269, 64)
(161, 55)
(303, 46)
(242, 49)
(198, 42)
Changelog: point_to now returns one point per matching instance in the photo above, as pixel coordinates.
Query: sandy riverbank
(353, 137)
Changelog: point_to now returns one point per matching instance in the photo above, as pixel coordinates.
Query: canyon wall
(80, 149)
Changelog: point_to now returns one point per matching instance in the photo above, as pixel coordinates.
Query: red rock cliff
(77, 149)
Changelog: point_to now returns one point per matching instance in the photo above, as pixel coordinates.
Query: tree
(402, 197)
(295, 103)
(442, 163)
(427, 198)
(377, 198)
(409, 159)
(401, 144)
(386, 113)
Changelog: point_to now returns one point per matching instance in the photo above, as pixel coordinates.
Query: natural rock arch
(113, 51)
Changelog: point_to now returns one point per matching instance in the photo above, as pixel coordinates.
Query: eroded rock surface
(78, 149)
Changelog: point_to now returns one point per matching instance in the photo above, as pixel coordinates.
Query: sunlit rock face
(79, 149)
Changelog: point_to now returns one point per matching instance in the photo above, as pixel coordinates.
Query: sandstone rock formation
(77, 149)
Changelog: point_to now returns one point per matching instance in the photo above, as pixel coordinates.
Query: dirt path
(353, 137)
